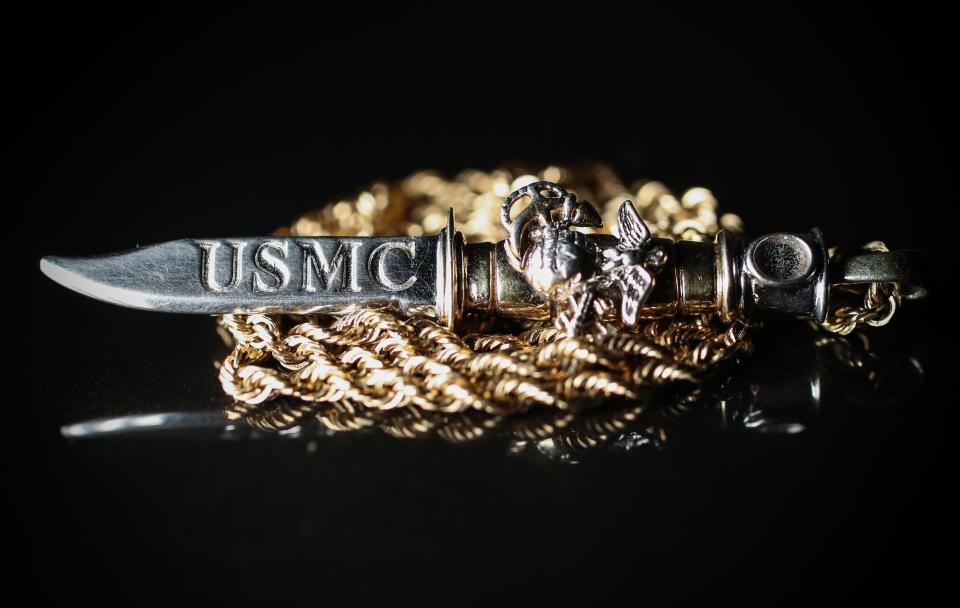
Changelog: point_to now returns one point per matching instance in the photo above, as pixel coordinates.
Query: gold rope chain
(349, 368)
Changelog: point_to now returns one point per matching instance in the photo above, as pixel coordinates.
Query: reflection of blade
(196, 424)
(145, 422)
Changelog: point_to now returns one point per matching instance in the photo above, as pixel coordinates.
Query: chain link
(880, 301)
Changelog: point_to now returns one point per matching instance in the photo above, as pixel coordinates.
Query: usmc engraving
(280, 265)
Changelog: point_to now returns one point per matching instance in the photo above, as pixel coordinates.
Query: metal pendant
(545, 269)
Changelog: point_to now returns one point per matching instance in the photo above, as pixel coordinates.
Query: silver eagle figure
(582, 275)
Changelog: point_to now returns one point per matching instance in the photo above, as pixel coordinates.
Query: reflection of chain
(372, 365)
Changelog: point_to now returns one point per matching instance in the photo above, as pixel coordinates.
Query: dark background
(140, 127)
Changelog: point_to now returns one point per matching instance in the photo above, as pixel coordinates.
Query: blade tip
(91, 277)
(52, 267)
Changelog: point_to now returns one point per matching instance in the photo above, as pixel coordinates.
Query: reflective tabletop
(814, 470)
(814, 459)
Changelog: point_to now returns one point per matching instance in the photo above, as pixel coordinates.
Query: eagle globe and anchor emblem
(587, 278)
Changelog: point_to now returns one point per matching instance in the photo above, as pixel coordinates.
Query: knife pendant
(545, 269)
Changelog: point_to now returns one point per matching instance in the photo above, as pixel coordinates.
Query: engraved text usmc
(312, 265)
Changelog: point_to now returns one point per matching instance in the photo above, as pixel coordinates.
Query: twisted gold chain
(409, 375)
(880, 302)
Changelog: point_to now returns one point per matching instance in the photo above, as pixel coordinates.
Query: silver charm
(630, 266)
(579, 274)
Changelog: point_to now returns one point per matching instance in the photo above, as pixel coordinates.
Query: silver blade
(261, 274)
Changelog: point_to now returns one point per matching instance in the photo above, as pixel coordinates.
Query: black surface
(154, 127)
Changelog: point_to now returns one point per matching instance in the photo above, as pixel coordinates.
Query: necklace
(528, 304)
